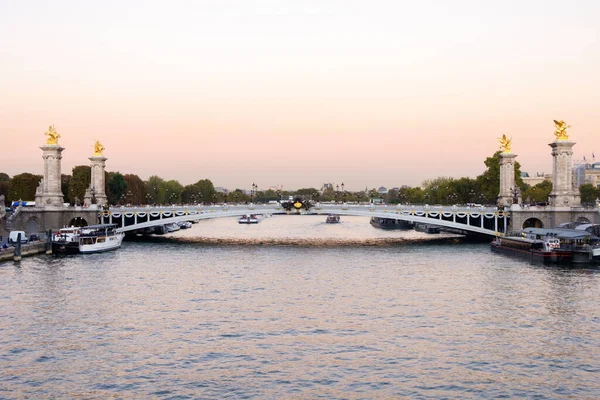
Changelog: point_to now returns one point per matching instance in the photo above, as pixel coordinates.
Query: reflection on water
(195, 320)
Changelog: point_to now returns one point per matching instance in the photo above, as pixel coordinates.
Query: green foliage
(538, 193)
(4, 188)
(155, 190)
(202, 191)
(589, 194)
(136, 190)
(237, 196)
(64, 185)
(79, 182)
(489, 181)
(173, 190)
(23, 187)
(116, 189)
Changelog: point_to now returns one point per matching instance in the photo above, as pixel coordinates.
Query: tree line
(130, 189)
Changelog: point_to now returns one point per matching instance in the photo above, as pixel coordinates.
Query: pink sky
(297, 93)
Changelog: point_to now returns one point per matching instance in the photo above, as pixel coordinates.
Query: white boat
(172, 227)
(66, 240)
(98, 238)
(332, 219)
(248, 219)
(185, 224)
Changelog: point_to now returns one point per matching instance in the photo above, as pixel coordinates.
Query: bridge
(565, 204)
(483, 220)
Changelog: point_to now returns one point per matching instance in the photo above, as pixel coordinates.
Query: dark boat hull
(390, 223)
(65, 247)
(536, 256)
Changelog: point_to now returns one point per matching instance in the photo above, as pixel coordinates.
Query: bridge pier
(36, 220)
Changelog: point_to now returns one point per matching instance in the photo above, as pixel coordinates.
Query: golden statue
(52, 135)
(561, 130)
(505, 144)
(98, 148)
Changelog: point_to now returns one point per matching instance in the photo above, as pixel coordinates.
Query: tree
(538, 193)
(80, 181)
(237, 196)
(589, 194)
(309, 193)
(135, 189)
(116, 188)
(4, 187)
(155, 190)
(173, 190)
(489, 181)
(206, 190)
(23, 187)
(437, 191)
(64, 185)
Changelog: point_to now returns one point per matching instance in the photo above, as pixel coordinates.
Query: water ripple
(398, 318)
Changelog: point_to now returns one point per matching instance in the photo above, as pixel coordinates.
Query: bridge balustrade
(482, 220)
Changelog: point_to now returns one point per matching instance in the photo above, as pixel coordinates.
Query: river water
(295, 308)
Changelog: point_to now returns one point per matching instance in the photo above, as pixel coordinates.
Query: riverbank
(29, 249)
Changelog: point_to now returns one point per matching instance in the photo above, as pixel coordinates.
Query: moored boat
(99, 238)
(584, 245)
(332, 219)
(248, 219)
(546, 250)
(185, 224)
(390, 223)
(66, 241)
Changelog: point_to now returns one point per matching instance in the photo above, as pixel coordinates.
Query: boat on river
(248, 219)
(390, 223)
(99, 238)
(532, 248)
(66, 240)
(584, 245)
(332, 219)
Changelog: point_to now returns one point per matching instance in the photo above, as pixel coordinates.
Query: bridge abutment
(564, 193)
(507, 179)
(96, 192)
(49, 194)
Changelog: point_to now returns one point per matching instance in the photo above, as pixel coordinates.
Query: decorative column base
(506, 196)
(563, 194)
(49, 194)
(96, 193)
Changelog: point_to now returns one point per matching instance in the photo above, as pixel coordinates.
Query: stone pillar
(49, 193)
(96, 192)
(563, 194)
(507, 179)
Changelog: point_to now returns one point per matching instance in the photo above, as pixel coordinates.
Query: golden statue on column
(52, 135)
(98, 149)
(505, 144)
(561, 130)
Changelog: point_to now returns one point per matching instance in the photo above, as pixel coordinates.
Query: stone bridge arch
(532, 222)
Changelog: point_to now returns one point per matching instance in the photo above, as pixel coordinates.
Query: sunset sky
(297, 93)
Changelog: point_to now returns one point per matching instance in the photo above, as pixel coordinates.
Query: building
(327, 187)
(587, 173)
(534, 180)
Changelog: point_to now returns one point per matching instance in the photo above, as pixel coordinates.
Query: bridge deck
(488, 221)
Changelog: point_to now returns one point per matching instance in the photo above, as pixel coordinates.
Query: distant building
(219, 189)
(534, 180)
(382, 190)
(326, 187)
(587, 173)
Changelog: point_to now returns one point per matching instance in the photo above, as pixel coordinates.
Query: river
(295, 308)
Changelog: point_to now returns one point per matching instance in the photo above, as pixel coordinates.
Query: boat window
(100, 240)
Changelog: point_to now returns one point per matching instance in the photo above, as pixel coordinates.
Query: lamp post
(253, 192)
